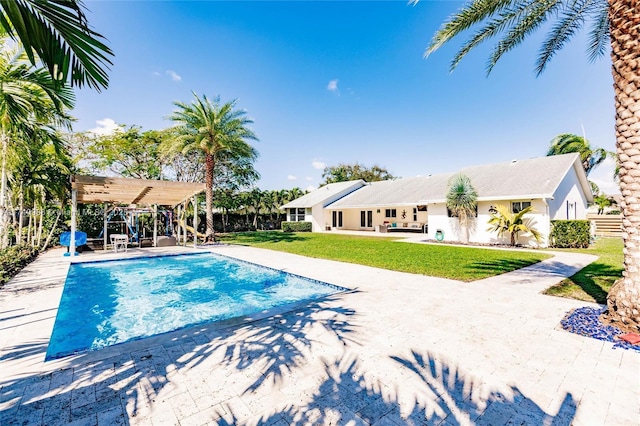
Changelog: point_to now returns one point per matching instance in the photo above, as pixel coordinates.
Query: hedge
(570, 233)
(13, 259)
(296, 226)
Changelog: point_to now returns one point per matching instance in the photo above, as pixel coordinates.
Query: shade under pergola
(138, 192)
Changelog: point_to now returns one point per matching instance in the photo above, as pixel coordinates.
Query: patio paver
(397, 349)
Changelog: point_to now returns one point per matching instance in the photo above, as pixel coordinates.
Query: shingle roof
(325, 193)
(532, 178)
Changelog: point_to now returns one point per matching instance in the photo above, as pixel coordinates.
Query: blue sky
(345, 82)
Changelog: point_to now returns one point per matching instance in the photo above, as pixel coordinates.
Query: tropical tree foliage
(128, 152)
(506, 223)
(219, 131)
(57, 33)
(462, 201)
(346, 172)
(567, 143)
(30, 101)
(612, 24)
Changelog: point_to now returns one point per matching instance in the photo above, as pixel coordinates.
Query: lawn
(459, 263)
(593, 282)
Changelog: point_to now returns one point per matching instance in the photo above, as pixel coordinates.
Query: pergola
(138, 192)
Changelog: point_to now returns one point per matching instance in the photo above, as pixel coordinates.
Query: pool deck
(398, 349)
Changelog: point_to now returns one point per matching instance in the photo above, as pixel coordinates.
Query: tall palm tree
(218, 130)
(566, 143)
(613, 23)
(57, 33)
(462, 201)
(504, 222)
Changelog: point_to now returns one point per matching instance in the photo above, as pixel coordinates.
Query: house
(311, 207)
(556, 187)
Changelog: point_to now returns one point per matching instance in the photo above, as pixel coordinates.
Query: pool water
(109, 302)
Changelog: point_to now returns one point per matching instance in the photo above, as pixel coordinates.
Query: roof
(399, 192)
(324, 194)
(522, 179)
(98, 189)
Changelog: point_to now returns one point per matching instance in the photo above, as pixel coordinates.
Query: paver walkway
(397, 349)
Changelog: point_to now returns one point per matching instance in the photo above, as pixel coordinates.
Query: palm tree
(504, 222)
(567, 143)
(29, 99)
(614, 23)
(462, 201)
(57, 33)
(216, 129)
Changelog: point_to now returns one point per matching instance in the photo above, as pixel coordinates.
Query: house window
(415, 214)
(518, 206)
(390, 213)
(296, 215)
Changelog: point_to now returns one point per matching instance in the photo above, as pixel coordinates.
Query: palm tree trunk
(21, 216)
(208, 180)
(41, 225)
(28, 239)
(53, 228)
(4, 232)
(623, 300)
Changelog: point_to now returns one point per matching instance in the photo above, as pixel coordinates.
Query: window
(296, 215)
(415, 214)
(390, 213)
(518, 206)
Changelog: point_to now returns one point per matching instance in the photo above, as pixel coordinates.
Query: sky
(344, 82)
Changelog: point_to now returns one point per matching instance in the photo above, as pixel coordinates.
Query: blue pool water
(110, 302)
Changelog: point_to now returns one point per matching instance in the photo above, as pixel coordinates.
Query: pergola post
(155, 225)
(195, 223)
(74, 212)
(179, 211)
(105, 216)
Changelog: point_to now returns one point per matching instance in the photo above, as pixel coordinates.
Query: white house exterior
(311, 207)
(556, 186)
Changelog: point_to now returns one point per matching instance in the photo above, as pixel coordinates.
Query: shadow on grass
(591, 284)
(262, 237)
(499, 266)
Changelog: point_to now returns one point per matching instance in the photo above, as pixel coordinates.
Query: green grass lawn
(459, 263)
(593, 282)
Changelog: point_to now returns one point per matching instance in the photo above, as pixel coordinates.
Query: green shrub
(13, 259)
(570, 234)
(614, 212)
(296, 226)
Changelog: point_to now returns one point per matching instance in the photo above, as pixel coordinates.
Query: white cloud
(318, 165)
(174, 75)
(333, 86)
(291, 177)
(106, 126)
(310, 188)
(309, 178)
(156, 73)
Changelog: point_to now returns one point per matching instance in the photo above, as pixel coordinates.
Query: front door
(366, 218)
(337, 219)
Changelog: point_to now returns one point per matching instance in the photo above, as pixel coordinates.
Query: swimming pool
(109, 302)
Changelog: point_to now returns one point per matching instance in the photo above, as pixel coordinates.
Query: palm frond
(57, 33)
(531, 15)
(599, 34)
(470, 14)
(572, 20)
